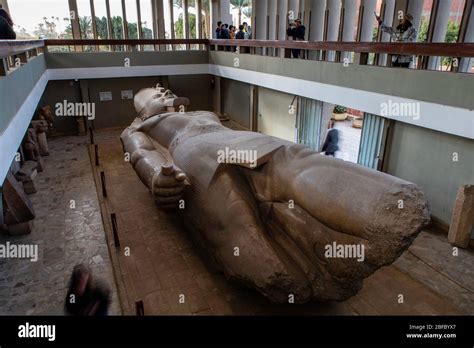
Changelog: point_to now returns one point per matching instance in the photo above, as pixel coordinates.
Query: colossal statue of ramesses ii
(273, 215)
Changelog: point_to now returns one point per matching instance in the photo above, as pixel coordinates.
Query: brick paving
(349, 141)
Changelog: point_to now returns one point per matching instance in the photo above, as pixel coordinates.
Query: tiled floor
(65, 236)
(349, 141)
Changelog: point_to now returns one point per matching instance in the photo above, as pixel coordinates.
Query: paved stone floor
(65, 236)
(163, 264)
(349, 141)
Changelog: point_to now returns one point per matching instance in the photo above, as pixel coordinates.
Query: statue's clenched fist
(168, 186)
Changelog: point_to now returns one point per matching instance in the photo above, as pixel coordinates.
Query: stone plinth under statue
(273, 215)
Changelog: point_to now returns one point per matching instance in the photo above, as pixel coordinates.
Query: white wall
(273, 114)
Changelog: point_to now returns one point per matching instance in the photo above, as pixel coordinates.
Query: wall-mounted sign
(128, 94)
(105, 96)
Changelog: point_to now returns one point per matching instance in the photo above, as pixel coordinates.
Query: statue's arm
(154, 166)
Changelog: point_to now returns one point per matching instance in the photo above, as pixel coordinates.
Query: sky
(29, 13)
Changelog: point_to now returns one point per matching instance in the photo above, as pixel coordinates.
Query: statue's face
(157, 106)
(47, 113)
(43, 126)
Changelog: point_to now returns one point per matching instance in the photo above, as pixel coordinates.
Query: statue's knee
(138, 155)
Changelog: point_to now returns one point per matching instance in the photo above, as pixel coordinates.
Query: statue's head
(46, 113)
(155, 101)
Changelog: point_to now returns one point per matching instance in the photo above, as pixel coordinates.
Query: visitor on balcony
(6, 26)
(225, 35)
(247, 31)
(232, 32)
(240, 35)
(218, 30)
(404, 32)
(297, 31)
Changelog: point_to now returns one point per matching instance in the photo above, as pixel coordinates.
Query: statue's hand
(168, 186)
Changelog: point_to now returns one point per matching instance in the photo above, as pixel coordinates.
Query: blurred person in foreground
(86, 295)
(6, 26)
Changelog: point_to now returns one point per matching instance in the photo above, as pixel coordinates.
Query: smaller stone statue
(31, 149)
(41, 127)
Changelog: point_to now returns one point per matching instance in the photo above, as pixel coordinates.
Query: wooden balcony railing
(361, 53)
(421, 49)
(91, 45)
(14, 53)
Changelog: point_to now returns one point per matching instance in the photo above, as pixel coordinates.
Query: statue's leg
(386, 211)
(229, 221)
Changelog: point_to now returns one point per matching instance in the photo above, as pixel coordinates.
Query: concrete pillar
(74, 16)
(226, 16)
(272, 19)
(260, 30)
(306, 16)
(186, 33)
(318, 10)
(282, 19)
(199, 28)
(316, 32)
(349, 26)
(76, 31)
(302, 7)
(387, 17)
(294, 8)
(350, 18)
(415, 8)
(125, 22)
(466, 63)
(334, 14)
(217, 100)
(159, 18)
(439, 30)
(109, 22)
(367, 24)
(215, 17)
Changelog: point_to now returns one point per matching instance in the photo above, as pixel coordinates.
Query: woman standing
(403, 32)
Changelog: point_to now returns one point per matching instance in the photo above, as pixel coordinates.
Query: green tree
(48, 28)
(101, 24)
(452, 32)
(178, 26)
(240, 5)
(423, 32)
(22, 34)
(247, 12)
(205, 16)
